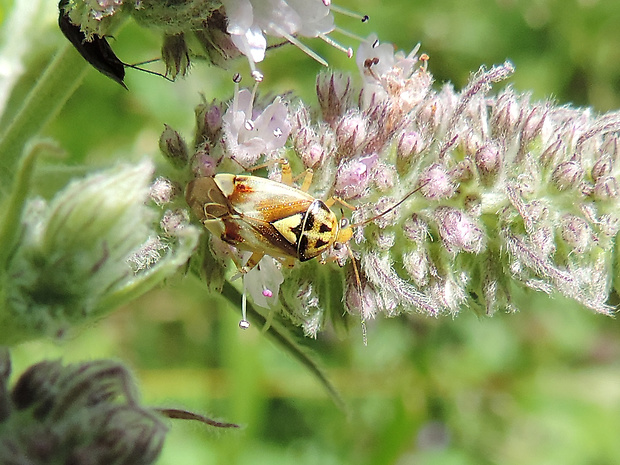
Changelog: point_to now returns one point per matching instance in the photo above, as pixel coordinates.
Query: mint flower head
(460, 197)
(95, 245)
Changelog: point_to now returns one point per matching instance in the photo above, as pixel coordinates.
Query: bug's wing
(247, 233)
(206, 200)
(263, 199)
(96, 50)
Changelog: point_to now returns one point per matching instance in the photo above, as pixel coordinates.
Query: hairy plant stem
(47, 97)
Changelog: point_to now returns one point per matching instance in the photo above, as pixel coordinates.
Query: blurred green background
(541, 386)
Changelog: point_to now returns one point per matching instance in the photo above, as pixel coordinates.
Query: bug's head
(345, 231)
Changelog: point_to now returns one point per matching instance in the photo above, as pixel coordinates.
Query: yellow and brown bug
(271, 218)
(265, 217)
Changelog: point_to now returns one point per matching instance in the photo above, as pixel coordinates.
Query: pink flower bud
(567, 175)
(488, 161)
(437, 183)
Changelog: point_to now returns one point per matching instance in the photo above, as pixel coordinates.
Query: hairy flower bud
(506, 113)
(577, 233)
(175, 55)
(82, 413)
(353, 177)
(208, 123)
(606, 188)
(333, 91)
(552, 153)
(383, 176)
(350, 133)
(410, 144)
(437, 183)
(173, 147)
(163, 191)
(417, 264)
(602, 167)
(458, 231)
(416, 229)
(488, 161)
(203, 164)
(567, 175)
(534, 124)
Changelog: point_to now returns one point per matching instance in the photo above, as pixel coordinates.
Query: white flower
(263, 282)
(391, 75)
(249, 21)
(250, 133)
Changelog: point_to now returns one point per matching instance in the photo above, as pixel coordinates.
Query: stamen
(349, 34)
(327, 2)
(424, 59)
(293, 40)
(255, 73)
(254, 89)
(352, 14)
(244, 323)
(235, 102)
(249, 124)
(333, 43)
(267, 292)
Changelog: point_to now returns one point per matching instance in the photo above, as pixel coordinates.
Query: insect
(271, 218)
(96, 51)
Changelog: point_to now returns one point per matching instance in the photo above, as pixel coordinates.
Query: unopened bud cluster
(509, 192)
(94, 246)
(75, 414)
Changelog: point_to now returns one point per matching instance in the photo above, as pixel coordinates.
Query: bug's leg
(360, 289)
(305, 185)
(252, 262)
(332, 200)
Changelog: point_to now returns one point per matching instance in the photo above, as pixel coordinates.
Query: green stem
(47, 97)
(284, 338)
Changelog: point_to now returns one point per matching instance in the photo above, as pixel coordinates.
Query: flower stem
(282, 336)
(49, 94)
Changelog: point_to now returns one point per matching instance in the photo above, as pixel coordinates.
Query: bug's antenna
(397, 204)
(138, 66)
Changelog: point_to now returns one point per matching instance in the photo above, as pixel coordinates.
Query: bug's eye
(344, 223)
(337, 246)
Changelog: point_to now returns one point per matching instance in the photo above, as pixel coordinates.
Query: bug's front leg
(252, 262)
(333, 200)
(287, 173)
